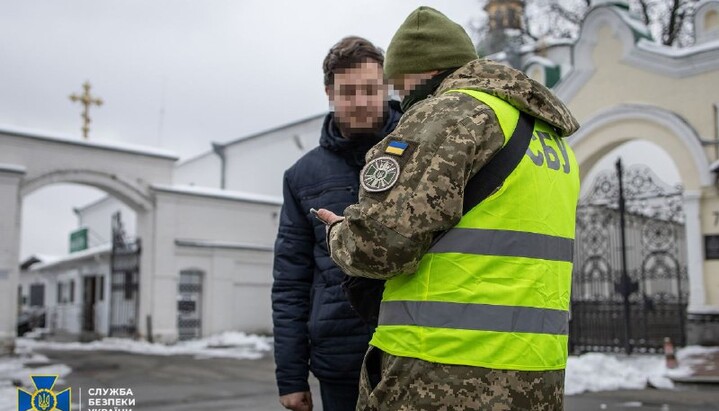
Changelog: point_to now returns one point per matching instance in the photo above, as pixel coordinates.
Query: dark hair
(348, 52)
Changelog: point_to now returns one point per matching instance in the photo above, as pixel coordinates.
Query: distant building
(73, 291)
(622, 86)
(505, 23)
(198, 262)
(78, 293)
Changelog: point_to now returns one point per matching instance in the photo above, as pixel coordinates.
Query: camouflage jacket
(408, 384)
(449, 137)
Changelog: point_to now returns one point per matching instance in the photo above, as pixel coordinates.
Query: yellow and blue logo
(396, 147)
(43, 399)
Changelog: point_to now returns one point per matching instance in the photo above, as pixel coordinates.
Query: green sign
(78, 240)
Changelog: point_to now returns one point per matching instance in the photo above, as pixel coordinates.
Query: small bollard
(669, 356)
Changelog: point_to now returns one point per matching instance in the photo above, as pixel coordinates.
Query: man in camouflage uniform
(443, 139)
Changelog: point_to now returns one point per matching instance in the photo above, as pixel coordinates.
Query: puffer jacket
(315, 328)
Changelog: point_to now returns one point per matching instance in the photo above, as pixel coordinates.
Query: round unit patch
(380, 174)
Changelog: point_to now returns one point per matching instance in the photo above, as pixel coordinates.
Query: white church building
(223, 206)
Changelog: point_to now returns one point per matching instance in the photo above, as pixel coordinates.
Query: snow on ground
(230, 344)
(606, 372)
(588, 372)
(18, 368)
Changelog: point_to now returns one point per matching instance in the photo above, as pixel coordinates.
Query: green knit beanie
(427, 41)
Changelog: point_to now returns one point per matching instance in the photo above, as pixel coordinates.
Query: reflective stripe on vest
(494, 290)
(506, 243)
(475, 317)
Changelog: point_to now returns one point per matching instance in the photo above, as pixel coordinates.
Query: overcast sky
(175, 74)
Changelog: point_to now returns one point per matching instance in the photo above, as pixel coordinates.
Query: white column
(146, 233)
(695, 251)
(158, 284)
(10, 209)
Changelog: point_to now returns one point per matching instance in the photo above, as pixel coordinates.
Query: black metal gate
(189, 305)
(89, 300)
(124, 282)
(630, 285)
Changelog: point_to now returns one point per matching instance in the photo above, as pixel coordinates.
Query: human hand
(297, 401)
(328, 216)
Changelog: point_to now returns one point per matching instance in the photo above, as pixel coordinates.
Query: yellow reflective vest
(494, 291)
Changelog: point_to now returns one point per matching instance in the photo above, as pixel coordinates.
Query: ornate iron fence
(629, 287)
(124, 282)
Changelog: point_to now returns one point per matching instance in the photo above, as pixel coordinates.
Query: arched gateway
(623, 87)
(228, 234)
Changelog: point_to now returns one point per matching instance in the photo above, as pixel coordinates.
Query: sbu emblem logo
(380, 174)
(43, 399)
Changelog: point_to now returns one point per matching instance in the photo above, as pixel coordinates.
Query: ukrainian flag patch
(396, 148)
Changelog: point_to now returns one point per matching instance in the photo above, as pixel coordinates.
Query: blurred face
(358, 97)
(405, 83)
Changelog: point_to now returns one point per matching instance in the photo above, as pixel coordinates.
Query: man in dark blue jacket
(315, 328)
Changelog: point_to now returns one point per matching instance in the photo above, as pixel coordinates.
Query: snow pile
(36, 333)
(230, 344)
(18, 369)
(692, 355)
(15, 369)
(606, 372)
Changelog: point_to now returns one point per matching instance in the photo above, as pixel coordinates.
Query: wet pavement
(183, 383)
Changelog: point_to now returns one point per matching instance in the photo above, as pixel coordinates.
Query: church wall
(236, 288)
(98, 218)
(50, 154)
(222, 225)
(258, 165)
(202, 171)
(710, 225)
(202, 218)
(10, 177)
(614, 83)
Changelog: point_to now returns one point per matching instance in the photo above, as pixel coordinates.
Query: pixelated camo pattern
(409, 384)
(452, 136)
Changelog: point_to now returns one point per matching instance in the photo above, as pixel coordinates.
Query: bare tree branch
(565, 14)
(525, 29)
(644, 4)
(670, 30)
(670, 20)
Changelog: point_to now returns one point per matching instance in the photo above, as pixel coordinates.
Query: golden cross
(86, 100)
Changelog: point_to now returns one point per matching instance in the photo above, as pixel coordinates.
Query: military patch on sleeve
(396, 147)
(380, 174)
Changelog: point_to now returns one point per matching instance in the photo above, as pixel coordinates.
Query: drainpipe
(219, 149)
(716, 131)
